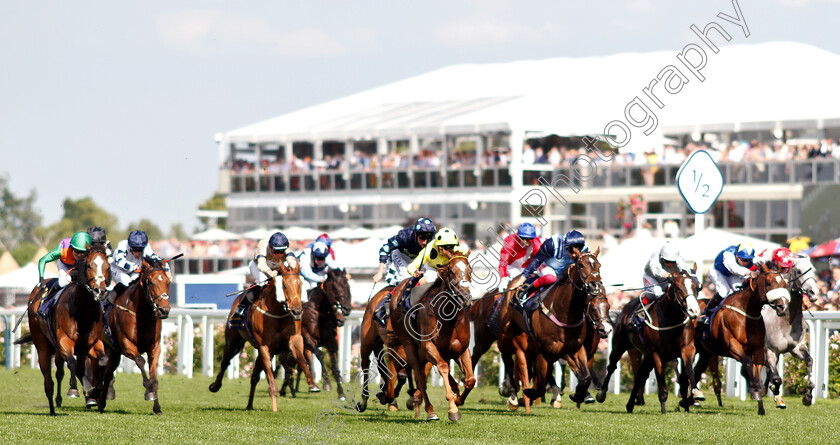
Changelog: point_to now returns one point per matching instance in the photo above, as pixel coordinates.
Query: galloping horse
(738, 331)
(134, 321)
(786, 334)
(396, 372)
(559, 326)
(659, 340)
(74, 330)
(323, 314)
(440, 333)
(274, 327)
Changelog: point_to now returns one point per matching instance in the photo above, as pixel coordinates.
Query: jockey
(128, 258)
(397, 253)
(732, 266)
(314, 264)
(265, 265)
(423, 270)
(554, 253)
(659, 269)
(68, 251)
(97, 236)
(518, 250)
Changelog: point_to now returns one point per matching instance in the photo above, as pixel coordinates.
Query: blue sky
(120, 101)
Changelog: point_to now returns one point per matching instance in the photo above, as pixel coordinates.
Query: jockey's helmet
(574, 238)
(80, 242)
(446, 237)
(97, 234)
(745, 251)
(324, 238)
(320, 250)
(669, 252)
(278, 243)
(138, 239)
(424, 225)
(527, 231)
(783, 257)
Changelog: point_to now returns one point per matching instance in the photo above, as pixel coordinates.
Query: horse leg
(443, 368)
(750, 370)
(296, 346)
(714, 370)
(636, 364)
(578, 364)
(265, 358)
(659, 369)
(319, 354)
(108, 377)
(510, 369)
(688, 379)
(336, 372)
(639, 381)
(620, 344)
(233, 344)
(469, 379)
(44, 359)
(773, 382)
(255, 378)
(801, 352)
(66, 349)
(521, 376)
(59, 375)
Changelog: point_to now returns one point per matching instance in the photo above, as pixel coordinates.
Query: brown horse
(660, 338)
(274, 328)
(395, 372)
(74, 330)
(560, 326)
(440, 333)
(134, 321)
(323, 314)
(737, 330)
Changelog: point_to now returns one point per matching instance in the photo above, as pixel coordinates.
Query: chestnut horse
(660, 338)
(560, 325)
(274, 327)
(134, 321)
(738, 331)
(395, 372)
(440, 333)
(74, 330)
(323, 314)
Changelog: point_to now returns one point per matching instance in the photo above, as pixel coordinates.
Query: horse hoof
(392, 407)
(58, 402)
(90, 403)
(779, 402)
(698, 395)
(431, 417)
(557, 404)
(342, 397)
(512, 406)
(409, 403)
(151, 396)
(314, 388)
(807, 400)
(214, 387)
(361, 407)
(589, 399)
(327, 387)
(456, 416)
(158, 412)
(110, 395)
(73, 393)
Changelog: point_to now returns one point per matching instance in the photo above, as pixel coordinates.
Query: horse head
(804, 279)
(155, 282)
(96, 272)
(289, 290)
(337, 291)
(771, 289)
(585, 275)
(457, 275)
(681, 291)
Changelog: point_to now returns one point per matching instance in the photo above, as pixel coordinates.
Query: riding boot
(520, 299)
(713, 303)
(406, 296)
(381, 314)
(247, 299)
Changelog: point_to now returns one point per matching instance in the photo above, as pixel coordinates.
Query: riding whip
(249, 287)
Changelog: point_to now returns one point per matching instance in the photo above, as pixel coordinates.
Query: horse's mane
(156, 263)
(98, 247)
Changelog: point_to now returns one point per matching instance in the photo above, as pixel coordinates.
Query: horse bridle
(593, 293)
(762, 290)
(466, 300)
(682, 303)
(336, 305)
(147, 284)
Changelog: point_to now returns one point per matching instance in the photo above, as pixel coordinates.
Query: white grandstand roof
(746, 87)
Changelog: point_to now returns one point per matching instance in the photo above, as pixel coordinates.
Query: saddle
(48, 301)
(706, 330)
(240, 323)
(106, 326)
(531, 305)
(493, 321)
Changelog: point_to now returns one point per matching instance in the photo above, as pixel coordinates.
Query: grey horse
(786, 334)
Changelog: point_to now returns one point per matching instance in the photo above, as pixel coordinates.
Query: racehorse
(274, 327)
(323, 314)
(738, 331)
(559, 326)
(440, 333)
(659, 339)
(786, 334)
(135, 321)
(73, 332)
(396, 372)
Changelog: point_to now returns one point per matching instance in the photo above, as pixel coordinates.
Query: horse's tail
(24, 340)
